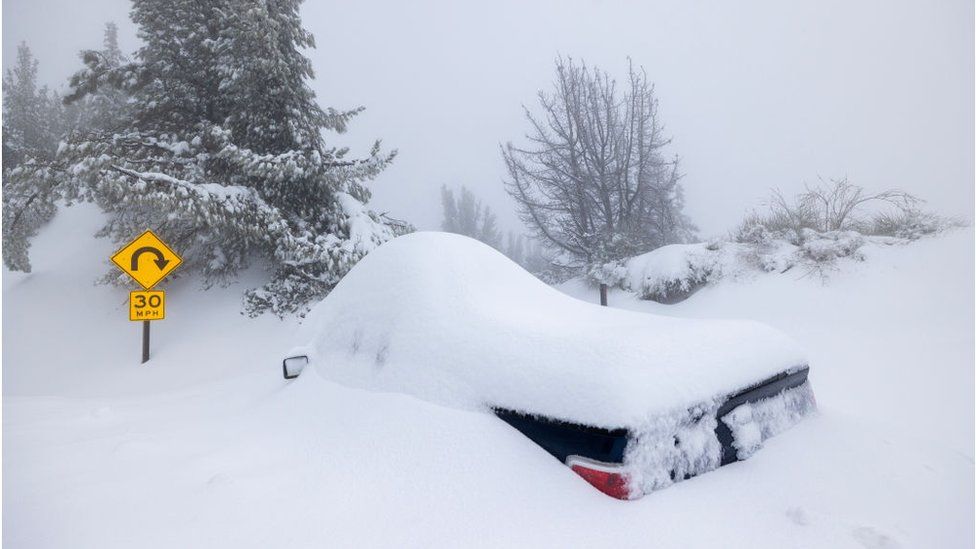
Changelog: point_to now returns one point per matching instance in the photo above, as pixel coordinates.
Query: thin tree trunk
(603, 295)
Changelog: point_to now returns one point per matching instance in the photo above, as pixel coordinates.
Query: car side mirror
(292, 366)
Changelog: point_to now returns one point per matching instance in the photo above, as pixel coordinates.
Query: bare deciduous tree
(594, 182)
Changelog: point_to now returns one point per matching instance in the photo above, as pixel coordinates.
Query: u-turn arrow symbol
(160, 260)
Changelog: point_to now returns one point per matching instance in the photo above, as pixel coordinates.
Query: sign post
(148, 305)
(145, 341)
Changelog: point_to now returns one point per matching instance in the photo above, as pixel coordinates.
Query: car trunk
(674, 448)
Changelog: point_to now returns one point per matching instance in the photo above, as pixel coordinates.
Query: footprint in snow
(100, 412)
(381, 355)
(357, 341)
(798, 516)
(219, 479)
(873, 539)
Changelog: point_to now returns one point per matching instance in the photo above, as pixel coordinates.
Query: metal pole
(145, 341)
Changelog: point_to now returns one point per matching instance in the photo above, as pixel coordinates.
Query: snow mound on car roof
(451, 320)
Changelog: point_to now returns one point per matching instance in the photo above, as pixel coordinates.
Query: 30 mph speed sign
(150, 305)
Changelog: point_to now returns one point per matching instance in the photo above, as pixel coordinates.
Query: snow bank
(451, 320)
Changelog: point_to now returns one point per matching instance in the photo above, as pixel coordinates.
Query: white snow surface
(206, 445)
(452, 320)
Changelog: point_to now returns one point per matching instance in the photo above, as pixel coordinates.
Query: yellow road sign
(147, 259)
(147, 305)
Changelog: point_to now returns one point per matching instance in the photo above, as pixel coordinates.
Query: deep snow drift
(452, 320)
(206, 446)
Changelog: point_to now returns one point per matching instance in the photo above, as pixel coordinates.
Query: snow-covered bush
(790, 234)
(912, 224)
(826, 247)
(839, 205)
(671, 273)
(779, 223)
(612, 274)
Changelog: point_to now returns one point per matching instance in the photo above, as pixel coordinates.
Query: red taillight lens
(607, 479)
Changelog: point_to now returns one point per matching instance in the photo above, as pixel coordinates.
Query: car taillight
(610, 479)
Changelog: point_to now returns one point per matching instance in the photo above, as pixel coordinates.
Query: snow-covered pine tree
(32, 122)
(105, 108)
(489, 233)
(468, 216)
(224, 155)
(35, 121)
(26, 131)
(450, 222)
(469, 213)
(514, 249)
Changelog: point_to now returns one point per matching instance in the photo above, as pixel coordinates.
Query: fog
(769, 94)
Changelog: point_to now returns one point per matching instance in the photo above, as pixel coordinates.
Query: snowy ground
(208, 447)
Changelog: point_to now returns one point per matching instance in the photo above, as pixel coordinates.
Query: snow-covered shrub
(911, 224)
(612, 274)
(839, 205)
(772, 256)
(826, 247)
(762, 249)
(752, 230)
(791, 233)
(834, 205)
(781, 222)
(672, 273)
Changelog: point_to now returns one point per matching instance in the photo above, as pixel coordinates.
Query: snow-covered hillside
(206, 445)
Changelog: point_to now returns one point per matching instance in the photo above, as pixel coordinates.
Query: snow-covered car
(632, 402)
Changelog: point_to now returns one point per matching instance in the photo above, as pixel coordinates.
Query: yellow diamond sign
(147, 259)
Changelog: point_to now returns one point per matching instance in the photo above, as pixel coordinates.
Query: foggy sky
(755, 96)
